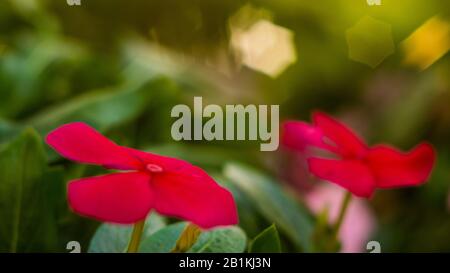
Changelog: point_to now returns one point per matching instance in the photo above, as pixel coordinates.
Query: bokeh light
(262, 45)
(427, 43)
(370, 41)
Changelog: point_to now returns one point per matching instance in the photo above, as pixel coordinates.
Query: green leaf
(8, 130)
(268, 241)
(412, 112)
(274, 203)
(26, 205)
(102, 109)
(250, 219)
(219, 240)
(164, 240)
(111, 238)
(26, 72)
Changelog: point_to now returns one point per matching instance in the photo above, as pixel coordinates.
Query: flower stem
(135, 240)
(187, 238)
(340, 219)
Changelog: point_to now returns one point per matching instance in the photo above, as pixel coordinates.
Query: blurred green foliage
(121, 66)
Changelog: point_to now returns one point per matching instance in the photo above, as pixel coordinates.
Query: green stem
(136, 237)
(340, 219)
(187, 238)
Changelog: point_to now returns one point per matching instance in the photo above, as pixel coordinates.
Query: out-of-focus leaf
(324, 236)
(268, 241)
(111, 238)
(219, 240)
(196, 154)
(411, 112)
(102, 109)
(23, 73)
(26, 202)
(274, 203)
(146, 59)
(8, 130)
(35, 13)
(250, 219)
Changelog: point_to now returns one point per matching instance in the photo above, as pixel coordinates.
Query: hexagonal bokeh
(370, 41)
(265, 47)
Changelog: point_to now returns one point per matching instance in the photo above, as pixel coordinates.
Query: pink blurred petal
(79, 142)
(348, 144)
(294, 170)
(359, 222)
(392, 168)
(299, 135)
(193, 195)
(122, 198)
(352, 175)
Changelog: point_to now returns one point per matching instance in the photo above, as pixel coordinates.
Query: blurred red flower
(170, 186)
(358, 168)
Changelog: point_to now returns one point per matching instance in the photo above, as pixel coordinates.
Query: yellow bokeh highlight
(427, 44)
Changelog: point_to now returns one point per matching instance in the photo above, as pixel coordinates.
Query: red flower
(359, 169)
(170, 186)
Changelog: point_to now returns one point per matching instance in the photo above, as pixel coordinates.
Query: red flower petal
(352, 175)
(347, 142)
(79, 142)
(194, 196)
(392, 168)
(299, 135)
(122, 198)
(165, 162)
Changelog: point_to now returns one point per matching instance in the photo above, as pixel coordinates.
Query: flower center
(154, 168)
